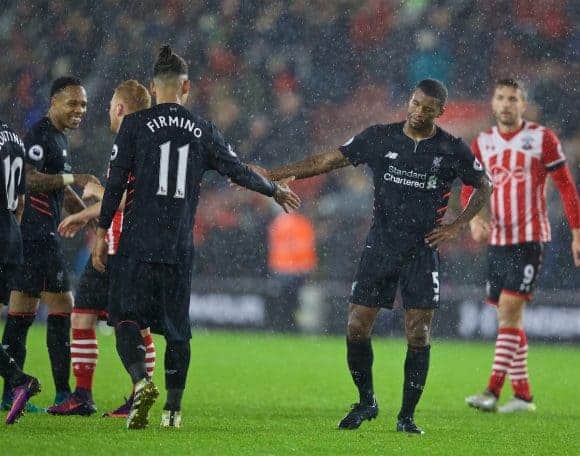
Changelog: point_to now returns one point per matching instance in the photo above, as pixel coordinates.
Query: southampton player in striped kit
(519, 155)
(92, 292)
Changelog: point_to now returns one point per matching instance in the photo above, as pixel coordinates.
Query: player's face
(70, 106)
(508, 105)
(423, 110)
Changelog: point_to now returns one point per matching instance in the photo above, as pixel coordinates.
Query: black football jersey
(412, 180)
(46, 150)
(11, 186)
(164, 151)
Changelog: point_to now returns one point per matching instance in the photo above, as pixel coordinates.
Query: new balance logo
(391, 155)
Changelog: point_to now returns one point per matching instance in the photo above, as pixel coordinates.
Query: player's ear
(119, 109)
(185, 88)
(441, 110)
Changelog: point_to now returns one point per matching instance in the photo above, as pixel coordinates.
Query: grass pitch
(256, 393)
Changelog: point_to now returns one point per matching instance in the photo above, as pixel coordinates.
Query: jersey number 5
(12, 177)
(183, 153)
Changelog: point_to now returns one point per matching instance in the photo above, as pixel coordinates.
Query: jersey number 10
(183, 152)
(12, 177)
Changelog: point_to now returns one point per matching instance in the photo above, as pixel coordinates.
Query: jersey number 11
(183, 152)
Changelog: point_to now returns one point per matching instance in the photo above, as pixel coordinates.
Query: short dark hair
(169, 64)
(62, 83)
(514, 84)
(433, 88)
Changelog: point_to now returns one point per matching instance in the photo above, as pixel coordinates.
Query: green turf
(271, 394)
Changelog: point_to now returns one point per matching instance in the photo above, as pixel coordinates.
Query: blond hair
(134, 95)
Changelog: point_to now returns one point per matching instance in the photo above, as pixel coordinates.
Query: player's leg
(175, 325)
(497, 269)
(528, 258)
(58, 326)
(21, 314)
(416, 368)
(177, 358)
(150, 354)
(150, 360)
(91, 302)
(84, 354)
(420, 294)
(133, 291)
(370, 291)
(518, 267)
(22, 386)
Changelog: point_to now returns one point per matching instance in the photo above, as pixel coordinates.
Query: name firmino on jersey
(174, 121)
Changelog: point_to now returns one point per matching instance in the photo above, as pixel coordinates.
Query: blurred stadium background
(283, 79)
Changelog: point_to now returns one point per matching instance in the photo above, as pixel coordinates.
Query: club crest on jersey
(392, 155)
(477, 165)
(527, 142)
(436, 163)
(114, 152)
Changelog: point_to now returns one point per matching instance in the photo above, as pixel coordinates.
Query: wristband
(67, 179)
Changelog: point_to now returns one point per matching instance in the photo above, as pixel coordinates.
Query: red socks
(149, 355)
(511, 357)
(84, 352)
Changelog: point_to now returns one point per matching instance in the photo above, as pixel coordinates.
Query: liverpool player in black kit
(414, 164)
(22, 386)
(43, 272)
(167, 149)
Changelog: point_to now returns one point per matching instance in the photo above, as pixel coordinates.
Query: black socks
(359, 355)
(58, 343)
(131, 349)
(177, 357)
(416, 368)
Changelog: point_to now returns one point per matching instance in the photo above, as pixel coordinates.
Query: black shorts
(154, 295)
(44, 269)
(380, 272)
(513, 269)
(92, 294)
(7, 272)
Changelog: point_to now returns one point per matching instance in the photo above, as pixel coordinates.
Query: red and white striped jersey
(519, 164)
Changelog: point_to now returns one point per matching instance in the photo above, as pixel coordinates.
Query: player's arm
(479, 198)
(310, 166)
(72, 224)
(42, 182)
(221, 157)
(72, 202)
(565, 185)
(555, 163)
(120, 167)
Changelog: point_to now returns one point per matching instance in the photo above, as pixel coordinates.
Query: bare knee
(360, 322)
(23, 302)
(510, 311)
(58, 302)
(418, 326)
(83, 320)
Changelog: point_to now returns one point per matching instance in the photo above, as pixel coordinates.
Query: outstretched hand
(72, 225)
(442, 234)
(284, 196)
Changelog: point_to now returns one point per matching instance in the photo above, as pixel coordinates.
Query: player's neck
(507, 129)
(418, 135)
(169, 97)
(54, 121)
